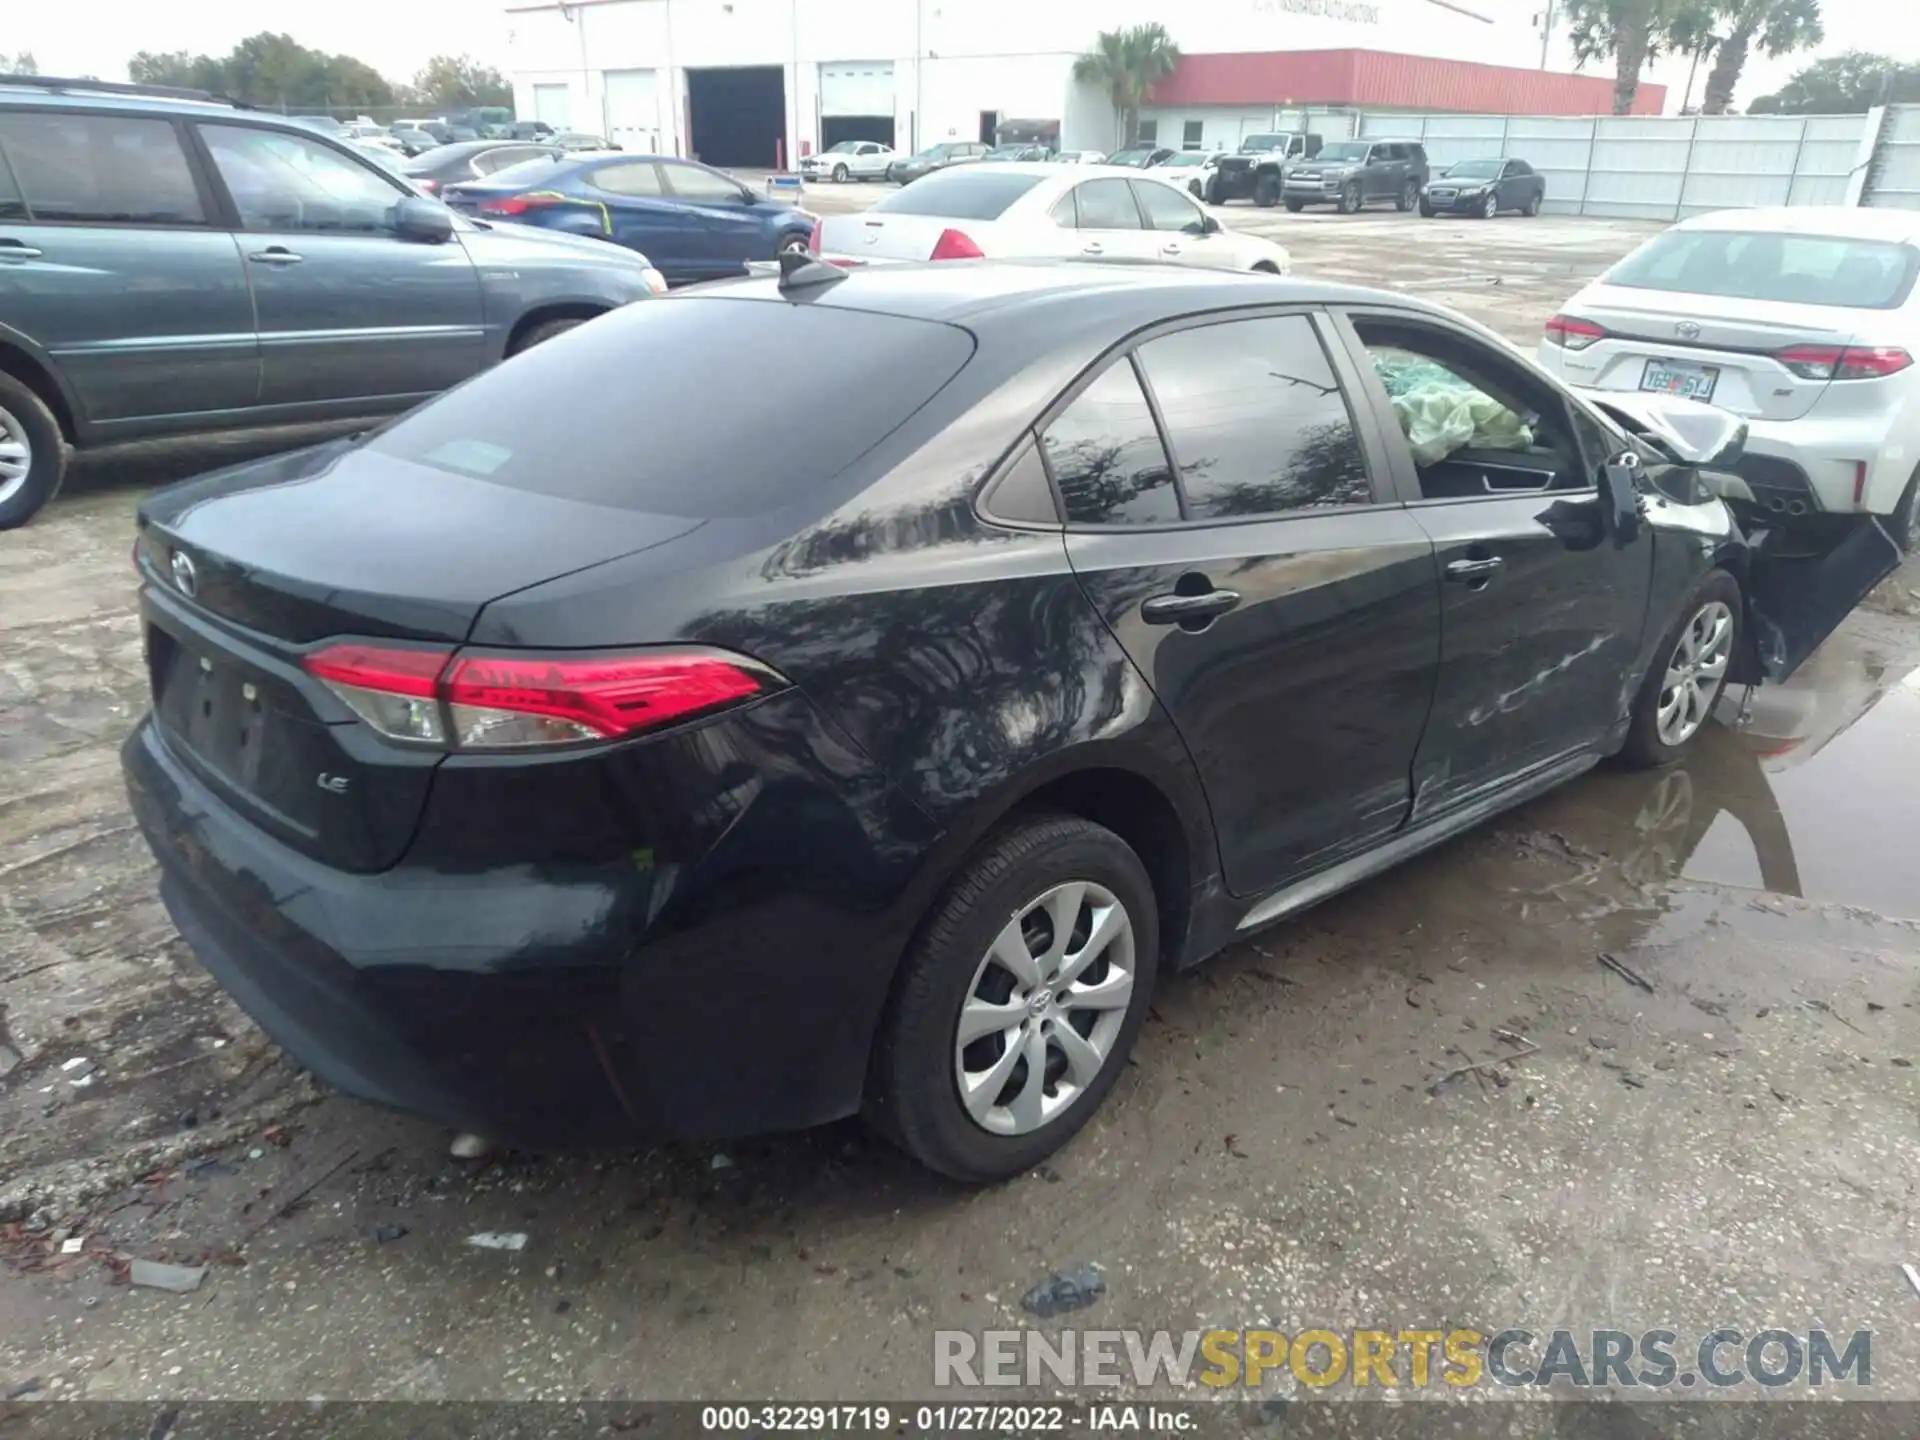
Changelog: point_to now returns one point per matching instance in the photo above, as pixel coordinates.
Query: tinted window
(534, 426)
(1165, 207)
(691, 182)
(1474, 170)
(1106, 205)
(490, 161)
(1022, 494)
(527, 172)
(1106, 457)
(1256, 419)
(12, 207)
(1345, 152)
(959, 194)
(100, 168)
(632, 177)
(281, 181)
(1764, 265)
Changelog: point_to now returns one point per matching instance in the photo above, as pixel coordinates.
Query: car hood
(501, 244)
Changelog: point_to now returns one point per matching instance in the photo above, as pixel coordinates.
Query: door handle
(1094, 248)
(275, 255)
(1474, 572)
(18, 250)
(1181, 609)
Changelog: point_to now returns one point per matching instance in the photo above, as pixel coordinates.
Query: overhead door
(554, 104)
(856, 101)
(633, 110)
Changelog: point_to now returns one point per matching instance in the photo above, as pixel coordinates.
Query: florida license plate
(1689, 382)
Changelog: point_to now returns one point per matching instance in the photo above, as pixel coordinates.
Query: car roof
(964, 292)
(83, 95)
(1847, 220)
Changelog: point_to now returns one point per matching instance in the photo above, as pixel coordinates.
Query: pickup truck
(1257, 172)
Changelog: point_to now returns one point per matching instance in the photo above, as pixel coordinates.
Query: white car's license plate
(1689, 382)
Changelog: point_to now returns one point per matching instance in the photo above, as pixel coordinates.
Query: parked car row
(171, 265)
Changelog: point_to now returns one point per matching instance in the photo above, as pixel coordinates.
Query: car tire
(1194, 189)
(839, 174)
(1426, 210)
(1409, 194)
(1213, 195)
(33, 456)
(1010, 893)
(1294, 207)
(1651, 740)
(1906, 517)
(1490, 207)
(1349, 198)
(543, 332)
(1266, 191)
(1533, 206)
(794, 245)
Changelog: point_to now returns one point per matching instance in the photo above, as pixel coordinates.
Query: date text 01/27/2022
(961, 1419)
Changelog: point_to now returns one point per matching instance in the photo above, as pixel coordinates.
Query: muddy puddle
(1816, 796)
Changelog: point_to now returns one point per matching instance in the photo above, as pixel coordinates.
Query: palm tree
(1631, 32)
(1736, 27)
(1129, 63)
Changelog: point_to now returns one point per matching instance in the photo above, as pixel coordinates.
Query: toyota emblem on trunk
(1687, 330)
(184, 575)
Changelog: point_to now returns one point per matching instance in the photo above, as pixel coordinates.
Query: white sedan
(1043, 211)
(850, 160)
(1804, 321)
(1193, 169)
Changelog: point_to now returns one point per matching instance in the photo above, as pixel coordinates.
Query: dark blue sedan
(693, 222)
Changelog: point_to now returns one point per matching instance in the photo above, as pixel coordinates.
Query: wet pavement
(1300, 1141)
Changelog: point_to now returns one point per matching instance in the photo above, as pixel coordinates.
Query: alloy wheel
(1045, 1008)
(1695, 672)
(1490, 207)
(16, 454)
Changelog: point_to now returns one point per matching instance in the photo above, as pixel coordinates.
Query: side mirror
(417, 218)
(1620, 500)
(1209, 225)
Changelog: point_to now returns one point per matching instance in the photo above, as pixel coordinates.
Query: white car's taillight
(513, 701)
(655, 282)
(1571, 334)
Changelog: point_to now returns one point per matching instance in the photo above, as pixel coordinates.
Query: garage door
(554, 104)
(857, 87)
(633, 110)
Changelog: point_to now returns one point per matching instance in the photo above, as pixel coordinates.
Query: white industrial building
(741, 82)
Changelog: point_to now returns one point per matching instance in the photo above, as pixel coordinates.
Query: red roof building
(1381, 79)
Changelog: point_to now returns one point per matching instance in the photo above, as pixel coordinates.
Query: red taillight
(1572, 334)
(813, 240)
(428, 696)
(428, 185)
(511, 205)
(1838, 362)
(956, 245)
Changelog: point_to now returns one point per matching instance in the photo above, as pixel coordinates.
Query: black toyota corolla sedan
(625, 743)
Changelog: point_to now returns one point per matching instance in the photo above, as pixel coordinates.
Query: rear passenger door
(115, 268)
(1384, 171)
(1218, 491)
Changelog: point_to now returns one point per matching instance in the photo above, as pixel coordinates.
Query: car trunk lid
(249, 571)
(897, 237)
(1727, 345)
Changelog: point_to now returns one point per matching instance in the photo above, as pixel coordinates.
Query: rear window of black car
(958, 195)
(692, 406)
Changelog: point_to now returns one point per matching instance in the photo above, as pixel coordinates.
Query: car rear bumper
(569, 1001)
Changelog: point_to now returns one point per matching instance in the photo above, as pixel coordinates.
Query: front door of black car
(1541, 608)
(1229, 532)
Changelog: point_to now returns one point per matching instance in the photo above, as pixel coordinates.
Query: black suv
(1353, 173)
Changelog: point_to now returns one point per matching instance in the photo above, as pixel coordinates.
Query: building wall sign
(1351, 10)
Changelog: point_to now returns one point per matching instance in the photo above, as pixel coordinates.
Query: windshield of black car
(1343, 153)
(1771, 265)
(535, 426)
(966, 193)
(527, 172)
(1474, 170)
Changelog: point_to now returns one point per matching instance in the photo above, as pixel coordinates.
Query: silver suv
(170, 263)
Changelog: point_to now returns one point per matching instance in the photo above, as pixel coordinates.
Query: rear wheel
(1015, 1010)
(1688, 673)
(544, 331)
(1533, 206)
(32, 455)
(1409, 193)
(1349, 198)
(1213, 195)
(1266, 191)
(1194, 189)
(1294, 207)
(840, 174)
(794, 245)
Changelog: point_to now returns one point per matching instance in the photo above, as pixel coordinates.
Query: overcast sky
(82, 37)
